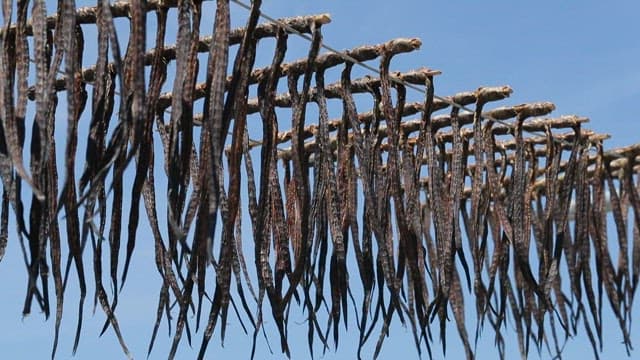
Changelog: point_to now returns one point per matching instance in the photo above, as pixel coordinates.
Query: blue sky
(583, 56)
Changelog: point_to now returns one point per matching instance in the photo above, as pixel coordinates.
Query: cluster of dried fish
(499, 203)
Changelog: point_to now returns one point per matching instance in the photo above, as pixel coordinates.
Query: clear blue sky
(583, 56)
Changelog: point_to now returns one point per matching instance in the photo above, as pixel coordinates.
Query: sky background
(583, 56)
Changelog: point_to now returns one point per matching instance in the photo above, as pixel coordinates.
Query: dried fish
(394, 191)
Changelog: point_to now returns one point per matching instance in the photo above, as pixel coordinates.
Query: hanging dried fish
(396, 182)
